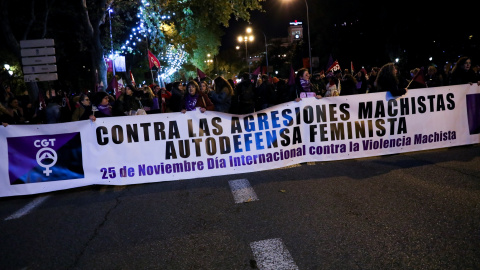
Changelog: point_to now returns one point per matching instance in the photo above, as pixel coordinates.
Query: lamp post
(249, 30)
(245, 39)
(308, 32)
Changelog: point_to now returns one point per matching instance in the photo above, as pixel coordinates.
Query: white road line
(272, 254)
(242, 191)
(27, 208)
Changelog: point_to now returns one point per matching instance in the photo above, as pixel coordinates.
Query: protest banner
(175, 146)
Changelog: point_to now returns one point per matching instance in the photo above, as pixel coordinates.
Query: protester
(178, 92)
(333, 85)
(372, 77)
(433, 78)
(147, 99)
(318, 83)
(6, 95)
(245, 95)
(164, 96)
(128, 103)
(14, 113)
(462, 72)
(103, 103)
(387, 80)
(303, 87)
(349, 85)
(265, 95)
(361, 79)
(204, 87)
(196, 99)
(221, 97)
(83, 109)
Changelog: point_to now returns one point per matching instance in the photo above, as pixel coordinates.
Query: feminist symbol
(46, 154)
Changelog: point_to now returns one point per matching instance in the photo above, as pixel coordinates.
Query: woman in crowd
(349, 85)
(387, 80)
(83, 109)
(14, 112)
(195, 99)
(204, 87)
(222, 95)
(303, 85)
(463, 73)
(164, 97)
(127, 102)
(147, 98)
(333, 85)
(103, 103)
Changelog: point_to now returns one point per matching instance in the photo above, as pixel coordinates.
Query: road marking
(272, 254)
(242, 191)
(28, 208)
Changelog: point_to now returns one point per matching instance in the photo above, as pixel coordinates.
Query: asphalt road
(411, 211)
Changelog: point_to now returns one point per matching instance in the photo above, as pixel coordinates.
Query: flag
(200, 74)
(420, 78)
(113, 85)
(257, 71)
(306, 62)
(109, 64)
(351, 67)
(152, 60)
(132, 79)
(334, 67)
(330, 61)
(291, 79)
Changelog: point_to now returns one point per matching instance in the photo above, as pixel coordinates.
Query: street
(417, 210)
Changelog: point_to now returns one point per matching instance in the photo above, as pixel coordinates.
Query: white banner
(175, 146)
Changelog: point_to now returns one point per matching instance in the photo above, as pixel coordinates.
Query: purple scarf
(190, 102)
(305, 85)
(107, 110)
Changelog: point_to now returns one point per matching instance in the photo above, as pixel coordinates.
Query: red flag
(306, 62)
(419, 77)
(152, 60)
(200, 74)
(334, 67)
(132, 79)
(109, 63)
(351, 67)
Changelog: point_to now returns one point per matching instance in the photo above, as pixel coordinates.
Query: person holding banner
(303, 87)
(462, 72)
(387, 80)
(103, 103)
(195, 99)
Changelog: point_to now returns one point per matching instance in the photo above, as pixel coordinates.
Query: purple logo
(473, 112)
(45, 158)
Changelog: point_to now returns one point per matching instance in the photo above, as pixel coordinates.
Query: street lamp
(245, 39)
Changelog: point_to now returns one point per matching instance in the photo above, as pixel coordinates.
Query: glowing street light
(245, 39)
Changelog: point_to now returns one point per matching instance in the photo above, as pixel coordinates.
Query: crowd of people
(247, 96)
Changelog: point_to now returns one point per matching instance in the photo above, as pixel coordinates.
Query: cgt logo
(46, 156)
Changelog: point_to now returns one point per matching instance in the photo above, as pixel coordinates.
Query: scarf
(190, 102)
(105, 109)
(305, 85)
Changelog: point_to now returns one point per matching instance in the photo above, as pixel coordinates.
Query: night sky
(376, 32)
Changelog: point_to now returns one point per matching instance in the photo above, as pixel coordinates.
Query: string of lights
(148, 29)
